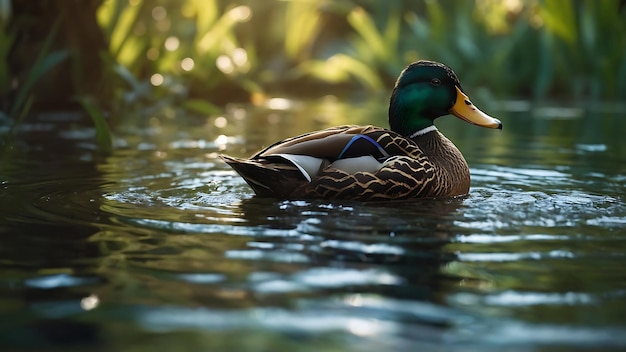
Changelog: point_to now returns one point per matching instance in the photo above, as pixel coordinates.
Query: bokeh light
(187, 64)
(171, 43)
(159, 13)
(220, 122)
(90, 302)
(156, 79)
(225, 64)
(240, 57)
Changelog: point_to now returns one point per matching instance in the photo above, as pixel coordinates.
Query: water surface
(161, 246)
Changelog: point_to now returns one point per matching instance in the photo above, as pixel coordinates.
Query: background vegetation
(143, 57)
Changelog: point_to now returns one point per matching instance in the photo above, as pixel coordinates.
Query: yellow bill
(465, 110)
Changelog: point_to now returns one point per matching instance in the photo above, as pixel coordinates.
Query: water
(160, 246)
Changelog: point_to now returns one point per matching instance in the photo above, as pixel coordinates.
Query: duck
(410, 160)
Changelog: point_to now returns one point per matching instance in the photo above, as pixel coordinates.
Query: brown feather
(326, 143)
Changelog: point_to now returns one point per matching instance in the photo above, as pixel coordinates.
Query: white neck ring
(423, 131)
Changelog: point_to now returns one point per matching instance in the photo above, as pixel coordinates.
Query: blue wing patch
(345, 153)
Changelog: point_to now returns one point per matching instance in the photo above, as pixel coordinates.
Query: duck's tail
(267, 178)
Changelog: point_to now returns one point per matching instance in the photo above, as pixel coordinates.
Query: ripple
(358, 314)
(518, 176)
(202, 278)
(375, 248)
(511, 257)
(274, 256)
(59, 280)
(487, 238)
(521, 299)
(72, 200)
(513, 298)
(279, 287)
(492, 210)
(592, 147)
(608, 221)
(168, 319)
(378, 323)
(334, 277)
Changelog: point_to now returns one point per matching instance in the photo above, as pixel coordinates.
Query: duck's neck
(446, 157)
(423, 131)
(437, 146)
(408, 117)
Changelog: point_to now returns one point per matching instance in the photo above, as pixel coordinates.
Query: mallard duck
(365, 163)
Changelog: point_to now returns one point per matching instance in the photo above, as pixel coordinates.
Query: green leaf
(34, 75)
(560, 18)
(104, 137)
(43, 64)
(364, 24)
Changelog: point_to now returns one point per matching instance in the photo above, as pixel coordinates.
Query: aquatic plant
(16, 97)
(104, 137)
(19, 87)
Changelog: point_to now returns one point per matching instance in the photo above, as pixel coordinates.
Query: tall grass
(16, 97)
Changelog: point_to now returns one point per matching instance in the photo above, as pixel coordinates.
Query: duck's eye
(435, 81)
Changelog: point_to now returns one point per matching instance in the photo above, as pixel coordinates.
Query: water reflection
(339, 238)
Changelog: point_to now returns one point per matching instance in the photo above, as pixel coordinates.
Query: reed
(16, 100)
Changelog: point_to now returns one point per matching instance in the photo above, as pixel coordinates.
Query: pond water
(161, 246)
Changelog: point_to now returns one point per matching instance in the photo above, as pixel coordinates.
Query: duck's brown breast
(451, 170)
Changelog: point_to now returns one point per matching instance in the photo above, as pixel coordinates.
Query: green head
(427, 90)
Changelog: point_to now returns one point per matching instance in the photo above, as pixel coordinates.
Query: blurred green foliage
(200, 54)
(558, 49)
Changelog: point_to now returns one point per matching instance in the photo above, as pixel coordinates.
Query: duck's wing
(343, 142)
(286, 167)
